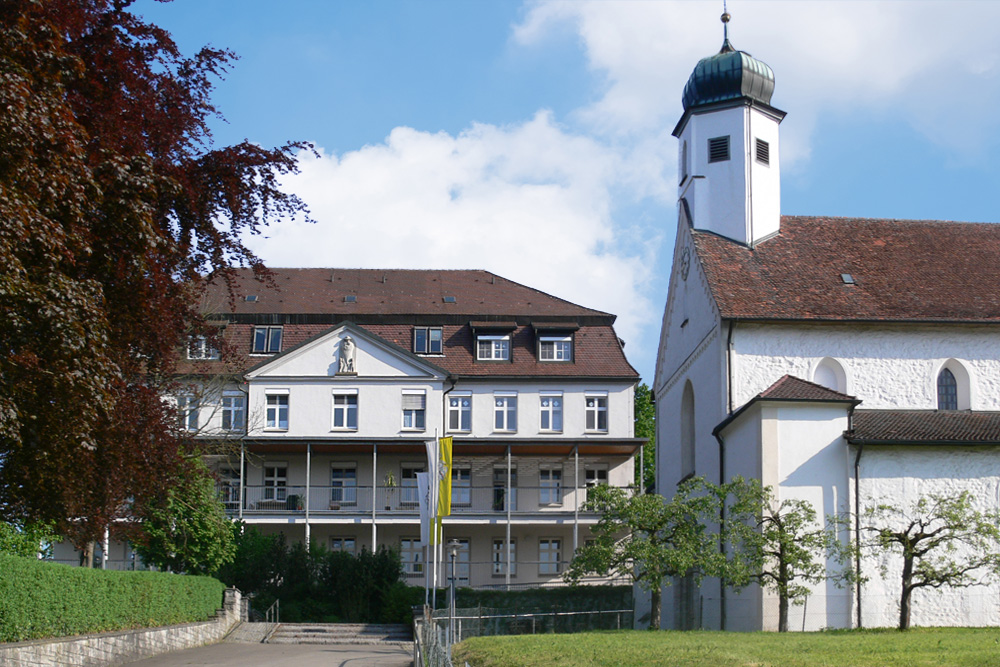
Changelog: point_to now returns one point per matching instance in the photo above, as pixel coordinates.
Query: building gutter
(857, 517)
(722, 523)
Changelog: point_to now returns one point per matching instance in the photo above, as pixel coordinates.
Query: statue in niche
(348, 351)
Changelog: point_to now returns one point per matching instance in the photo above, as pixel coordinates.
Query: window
(462, 561)
(275, 482)
(345, 544)
(408, 482)
(343, 486)
(188, 408)
(505, 412)
(718, 149)
(595, 477)
(550, 486)
(460, 411)
(687, 430)
(555, 349)
(266, 340)
(277, 412)
(493, 348)
(199, 348)
(234, 412)
(414, 409)
(411, 554)
(549, 555)
(596, 413)
(500, 557)
(947, 390)
(500, 494)
(551, 417)
(229, 488)
(461, 485)
(763, 152)
(345, 411)
(427, 340)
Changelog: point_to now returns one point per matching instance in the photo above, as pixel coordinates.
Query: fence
(436, 634)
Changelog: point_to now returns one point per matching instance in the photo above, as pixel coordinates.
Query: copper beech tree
(114, 203)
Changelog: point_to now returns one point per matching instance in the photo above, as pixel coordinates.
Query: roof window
(847, 278)
(250, 298)
(450, 299)
(351, 298)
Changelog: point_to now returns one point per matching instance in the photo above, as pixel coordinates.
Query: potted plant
(389, 482)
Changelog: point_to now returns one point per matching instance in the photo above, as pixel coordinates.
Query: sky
(533, 139)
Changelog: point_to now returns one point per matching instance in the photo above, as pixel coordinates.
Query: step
(341, 633)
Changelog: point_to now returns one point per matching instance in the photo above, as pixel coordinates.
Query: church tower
(728, 171)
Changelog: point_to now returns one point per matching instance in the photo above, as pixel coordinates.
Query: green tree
(645, 427)
(944, 541)
(26, 540)
(780, 545)
(186, 528)
(113, 206)
(649, 539)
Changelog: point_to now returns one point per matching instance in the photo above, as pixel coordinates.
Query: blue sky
(532, 139)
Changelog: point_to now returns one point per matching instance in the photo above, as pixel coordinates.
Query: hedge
(40, 599)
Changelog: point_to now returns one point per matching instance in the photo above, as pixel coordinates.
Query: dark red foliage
(113, 201)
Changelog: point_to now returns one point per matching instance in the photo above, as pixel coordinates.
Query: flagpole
(433, 464)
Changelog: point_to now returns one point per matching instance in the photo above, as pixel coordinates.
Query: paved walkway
(283, 655)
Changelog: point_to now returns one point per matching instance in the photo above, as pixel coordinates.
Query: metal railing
(402, 499)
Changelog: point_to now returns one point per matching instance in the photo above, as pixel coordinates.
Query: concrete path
(283, 655)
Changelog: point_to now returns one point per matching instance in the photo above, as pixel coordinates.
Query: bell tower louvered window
(763, 152)
(718, 149)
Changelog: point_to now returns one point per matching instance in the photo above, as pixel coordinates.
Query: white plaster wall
(321, 359)
(899, 476)
(765, 180)
(886, 366)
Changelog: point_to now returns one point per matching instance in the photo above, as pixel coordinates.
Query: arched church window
(830, 374)
(947, 390)
(687, 431)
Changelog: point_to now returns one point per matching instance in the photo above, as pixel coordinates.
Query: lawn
(637, 648)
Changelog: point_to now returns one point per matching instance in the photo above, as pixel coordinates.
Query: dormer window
(200, 348)
(555, 348)
(493, 348)
(427, 340)
(718, 149)
(266, 340)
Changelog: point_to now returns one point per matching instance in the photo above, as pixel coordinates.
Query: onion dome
(728, 75)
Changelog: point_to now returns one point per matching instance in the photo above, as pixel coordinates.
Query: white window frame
(275, 483)
(343, 490)
(505, 412)
(593, 413)
(555, 349)
(433, 337)
(550, 406)
(498, 557)
(498, 350)
(409, 495)
(550, 481)
(549, 555)
(272, 342)
(416, 416)
(462, 560)
(457, 409)
(343, 408)
(411, 553)
(461, 485)
(273, 410)
(199, 349)
(234, 409)
(188, 412)
(340, 544)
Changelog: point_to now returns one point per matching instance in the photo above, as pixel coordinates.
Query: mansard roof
(924, 427)
(857, 269)
(390, 303)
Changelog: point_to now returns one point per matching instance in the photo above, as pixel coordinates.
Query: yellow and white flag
(444, 477)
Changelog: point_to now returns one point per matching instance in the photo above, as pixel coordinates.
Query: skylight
(351, 298)
(450, 299)
(847, 278)
(250, 297)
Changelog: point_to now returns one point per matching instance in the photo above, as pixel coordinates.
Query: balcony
(400, 500)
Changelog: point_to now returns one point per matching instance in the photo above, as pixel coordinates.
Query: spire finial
(726, 46)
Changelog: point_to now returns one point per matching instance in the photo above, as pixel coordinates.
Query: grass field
(844, 648)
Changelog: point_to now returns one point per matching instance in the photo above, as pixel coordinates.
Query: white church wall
(899, 476)
(886, 366)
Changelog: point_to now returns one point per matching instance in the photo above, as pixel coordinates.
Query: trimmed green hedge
(39, 599)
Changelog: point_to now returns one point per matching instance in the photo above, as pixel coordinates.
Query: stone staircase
(342, 633)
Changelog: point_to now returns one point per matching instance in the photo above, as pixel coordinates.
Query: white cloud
(531, 202)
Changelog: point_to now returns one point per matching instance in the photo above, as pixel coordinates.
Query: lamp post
(453, 547)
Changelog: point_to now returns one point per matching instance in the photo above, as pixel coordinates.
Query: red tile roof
(925, 427)
(790, 388)
(904, 270)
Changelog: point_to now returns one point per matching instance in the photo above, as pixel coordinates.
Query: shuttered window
(718, 149)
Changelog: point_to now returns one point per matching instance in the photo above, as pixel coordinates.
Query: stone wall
(116, 648)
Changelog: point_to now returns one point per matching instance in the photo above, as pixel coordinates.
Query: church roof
(728, 75)
(793, 389)
(924, 427)
(857, 269)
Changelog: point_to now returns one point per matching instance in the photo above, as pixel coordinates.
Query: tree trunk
(654, 608)
(904, 600)
(782, 613)
(88, 554)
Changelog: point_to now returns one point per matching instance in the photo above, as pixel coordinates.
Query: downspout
(857, 517)
(722, 523)
(729, 366)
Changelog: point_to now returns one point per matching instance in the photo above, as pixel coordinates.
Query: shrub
(40, 599)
